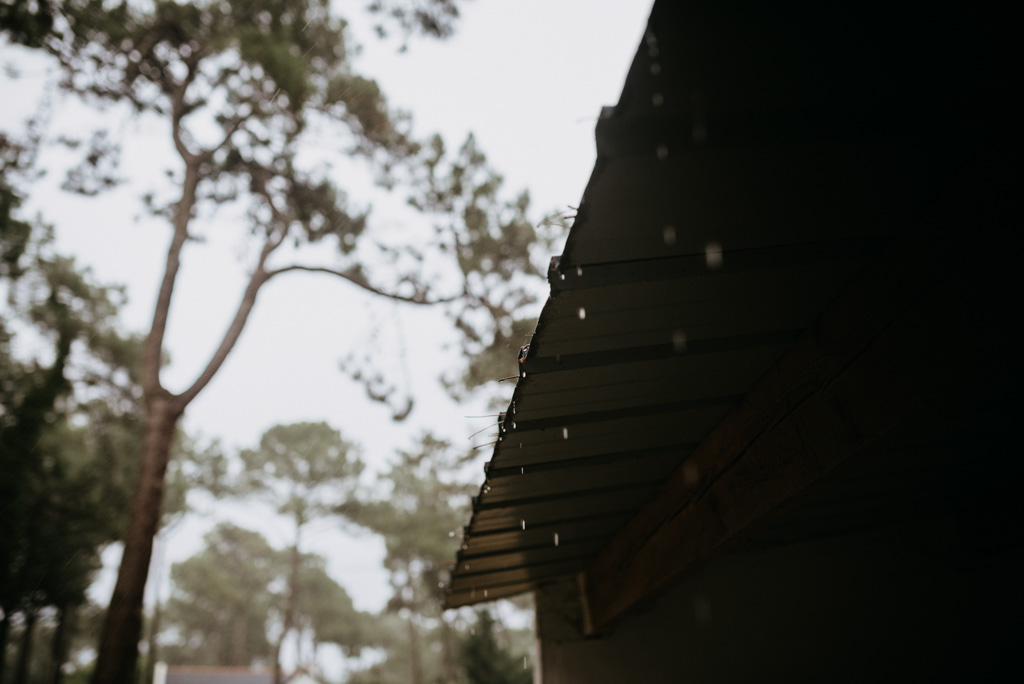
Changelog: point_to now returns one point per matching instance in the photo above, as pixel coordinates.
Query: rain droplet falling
(556, 539)
(582, 313)
(662, 152)
(658, 99)
(523, 523)
(565, 433)
(713, 255)
(669, 235)
(679, 340)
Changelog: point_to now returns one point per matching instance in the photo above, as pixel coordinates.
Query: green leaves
(222, 599)
(306, 469)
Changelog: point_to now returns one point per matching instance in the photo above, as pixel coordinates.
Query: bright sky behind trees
(527, 77)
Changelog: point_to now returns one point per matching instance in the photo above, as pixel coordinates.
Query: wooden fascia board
(873, 361)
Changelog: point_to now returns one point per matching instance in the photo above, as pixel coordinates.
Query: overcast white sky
(527, 77)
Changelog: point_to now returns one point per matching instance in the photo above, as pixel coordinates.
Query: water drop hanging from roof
(713, 255)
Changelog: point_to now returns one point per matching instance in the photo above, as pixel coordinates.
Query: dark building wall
(882, 606)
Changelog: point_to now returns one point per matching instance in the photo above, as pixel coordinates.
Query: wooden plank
(587, 440)
(510, 517)
(549, 553)
(624, 471)
(532, 573)
(542, 535)
(467, 598)
(869, 366)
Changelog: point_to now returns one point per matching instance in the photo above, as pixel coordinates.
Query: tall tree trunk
(154, 630)
(122, 626)
(290, 606)
(415, 665)
(238, 650)
(449, 667)
(25, 650)
(66, 618)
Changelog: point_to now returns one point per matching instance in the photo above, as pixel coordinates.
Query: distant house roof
(218, 675)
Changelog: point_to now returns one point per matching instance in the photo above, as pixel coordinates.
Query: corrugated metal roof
(725, 211)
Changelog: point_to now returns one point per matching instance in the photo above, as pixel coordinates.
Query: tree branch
(357, 278)
(256, 280)
(178, 112)
(152, 356)
(231, 129)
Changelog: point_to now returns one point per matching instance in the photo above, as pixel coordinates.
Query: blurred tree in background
(420, 503)
(227, 600)
(307, 471)
(487, 660)
(241, 85)
(70, 422)
(219, 610)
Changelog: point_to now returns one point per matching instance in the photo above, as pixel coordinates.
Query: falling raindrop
(669, 235)
(451, 534)
(655, 68)
(582, 313)
(565, 433)
(579, 271)
(524, 662)
(556, 539)
(713, 255)
(466, 566)
(561, 276)
(522, 471)
(523, 523)
(652, 51)
(662, 152)
(485, 593)
(679, 340)
(658, 99)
